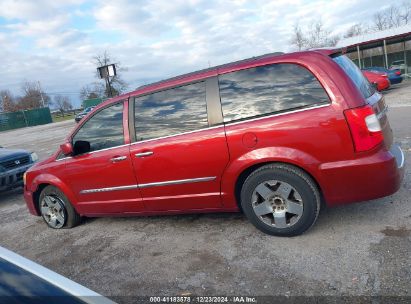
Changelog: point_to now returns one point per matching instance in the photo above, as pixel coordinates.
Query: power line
(57, 93)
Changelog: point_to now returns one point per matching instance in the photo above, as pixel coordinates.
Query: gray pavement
(358, 249)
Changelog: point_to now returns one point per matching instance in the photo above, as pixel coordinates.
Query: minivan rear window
(356, 75)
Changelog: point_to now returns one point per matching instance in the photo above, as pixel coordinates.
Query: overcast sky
(54, 41)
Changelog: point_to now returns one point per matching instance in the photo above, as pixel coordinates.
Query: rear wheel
(280, 200)
(56, 209)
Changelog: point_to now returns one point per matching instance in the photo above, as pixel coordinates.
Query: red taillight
(365, 128)
(397, 73)
(384, 75)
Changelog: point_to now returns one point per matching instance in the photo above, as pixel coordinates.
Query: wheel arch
(247, 171)
(36, 196)
(242, 165)
(44, 180)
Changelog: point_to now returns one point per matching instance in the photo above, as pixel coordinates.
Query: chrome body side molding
(108, 189)
(177, 182)
(149, 185)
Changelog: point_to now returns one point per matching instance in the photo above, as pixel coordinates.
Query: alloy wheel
(53, 211)
(277, 204)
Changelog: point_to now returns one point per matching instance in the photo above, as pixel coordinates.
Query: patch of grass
(57, 118)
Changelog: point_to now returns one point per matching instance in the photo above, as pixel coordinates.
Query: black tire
(70, 217)
(303, 199)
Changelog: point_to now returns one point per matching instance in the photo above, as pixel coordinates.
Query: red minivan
(272, 136)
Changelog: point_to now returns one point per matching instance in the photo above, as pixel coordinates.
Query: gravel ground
(356, 250)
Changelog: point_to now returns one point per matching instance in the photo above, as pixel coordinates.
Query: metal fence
(27, 118)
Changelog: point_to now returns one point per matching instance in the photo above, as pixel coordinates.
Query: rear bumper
(399, 156)
(362, 179)
(13, 178)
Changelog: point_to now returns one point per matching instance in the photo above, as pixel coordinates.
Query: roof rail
(212, 68)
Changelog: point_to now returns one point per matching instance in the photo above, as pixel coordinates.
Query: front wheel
(280, 200)
(56, 209)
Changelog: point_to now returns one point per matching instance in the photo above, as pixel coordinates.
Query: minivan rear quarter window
(170, 112)
(356, 75)
(268, 89)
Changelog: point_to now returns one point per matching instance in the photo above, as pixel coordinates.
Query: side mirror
(66, 148)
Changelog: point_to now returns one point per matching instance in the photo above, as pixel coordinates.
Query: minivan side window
(170, 112)
(103, 130)
(268, 89)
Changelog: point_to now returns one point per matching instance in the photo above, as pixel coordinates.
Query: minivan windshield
(355, 74)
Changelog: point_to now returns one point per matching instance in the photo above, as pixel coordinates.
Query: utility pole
(105, 73)
(109, 86)
(41, 93)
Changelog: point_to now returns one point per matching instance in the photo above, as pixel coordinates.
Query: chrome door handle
(118, 159)
(142, 154)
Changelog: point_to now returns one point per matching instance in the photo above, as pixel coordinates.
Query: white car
(400, 65)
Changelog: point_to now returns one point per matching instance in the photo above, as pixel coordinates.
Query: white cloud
(36, 28)
(154, 39)
(33, 10)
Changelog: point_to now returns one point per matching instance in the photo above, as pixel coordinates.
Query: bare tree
(315, 36)
(298, 37)
(100, 90)
(117, 84)
(62, 103)
(356, 30)
(94, 90)
(406, 12)
(393, 16)
(33, 96)
(379, 21)
(7, 103)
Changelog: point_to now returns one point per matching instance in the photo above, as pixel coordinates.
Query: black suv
(13, 164)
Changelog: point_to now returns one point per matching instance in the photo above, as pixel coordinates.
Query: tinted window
(104, 129)
(355, 74)
(171, 112)
(268, 89)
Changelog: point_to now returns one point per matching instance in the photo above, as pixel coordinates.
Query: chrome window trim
(328, 104)
(184, 133)
(210, 128)
(143, 141)
(69, 286)
(92, 152)
(149, 185)
(106, 149)
(64, 158)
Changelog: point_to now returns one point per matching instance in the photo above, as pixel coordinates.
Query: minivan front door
(102, 176)
(177, 158)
